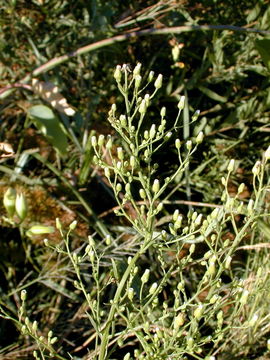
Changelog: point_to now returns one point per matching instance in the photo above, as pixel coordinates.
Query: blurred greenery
(223, 73)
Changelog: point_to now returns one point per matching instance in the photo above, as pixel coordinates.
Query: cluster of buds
(15, 204)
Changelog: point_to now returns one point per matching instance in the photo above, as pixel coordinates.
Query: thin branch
(119, 38)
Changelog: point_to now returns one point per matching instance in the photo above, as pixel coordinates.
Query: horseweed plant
(179, 292)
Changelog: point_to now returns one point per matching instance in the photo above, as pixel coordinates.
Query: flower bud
(198, 312)
(158, 82)
(127, 356)
(267, 153)
(109, 143)
(130, 294)
(120, 153)
(151, 76)
(244, 297)
(231, 165)
(250, 207)
(73, 225)
(256, 168)
(195, 115)
(117, 74)
(145, 276)
(142, 193)
(137, 69)
(152, 131)
(23, 295)
(153, 288)
(163, 112)
(9, 201)
(21, 206)
(199, 138)
(177, 144)
(189, 145)
(181, 103)
(142, 107)
(156, 186)
(101, 140)
(39, 230)
(253, 320)
(179, 320)
(94, 141)
(138, 80)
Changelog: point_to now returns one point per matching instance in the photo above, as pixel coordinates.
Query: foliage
(64, 166)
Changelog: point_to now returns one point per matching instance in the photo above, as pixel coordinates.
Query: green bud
(39, 230)
(120, 153)
(177, 144)
(123, 120)
(137, 69)
(181, 103)
(108, 240)
(231, 165)
(73, 225)
(21, 206)
(94, 141)
(142, 193)
(189, 145)
(244, 297)
(195, 115)
(109, 143)
(153, 288)
(151, 76)
(163, 112)
(156, 186)
(267, 153)
(199, 138)
(228, 262)
(198, 312)
(127, 356)
(256, 168)
(23, 295)
(107, 172)
(152, 131)
(9, 201)
(130, 294)
(118, 73)
(145, 276)
(179, 321)
(142, 107)
(158, 82)
(138, 80)
(101, 140)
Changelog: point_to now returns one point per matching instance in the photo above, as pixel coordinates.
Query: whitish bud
(189, 145)
(175, 52)
(152, 131)
(34, 326)
(267, 153)
(195, 115)
(256, 168)
(23, 295)
(190, 342)
(228, 262)
(101, 140)
(214, 299)
(198, 312)
(179, 321)
(108, 240)
(177, 144)
(138, 80)
(175, 214)
(145, 276)
(120, 153)
(159, 207)
(244, 297)
(46, 242)
(163, 112)
(268, 344)
(142, 193)
(151, 76)
(158, 82)
(241, 188)
(250, 207)
(153, 288)
(137, 69)
(130, 293)
(231, 165)
(199, 138)
(132, 161)
(178, 222)
(147, 99)
(109, 143)
(192, 249)
(9, 201)
(73, 225)
(156, 186)
(58, 224)
(142, 107)
(53, 340)
(91, 255)
(94, 141)
(181, 103)
(119, 165)
(168, 136)
(117, 74)
(198, 220)
(21, 206)
(123, 120)
(39, 230)
(127, 356)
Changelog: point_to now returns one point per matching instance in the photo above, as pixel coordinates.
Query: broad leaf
(50, 126)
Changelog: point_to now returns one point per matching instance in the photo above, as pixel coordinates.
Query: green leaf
(263, 47)
(46, 121)
(212, 95)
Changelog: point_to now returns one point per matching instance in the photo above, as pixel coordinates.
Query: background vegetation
(222, 72)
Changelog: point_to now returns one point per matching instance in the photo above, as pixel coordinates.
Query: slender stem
(6, 91)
